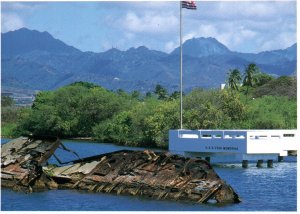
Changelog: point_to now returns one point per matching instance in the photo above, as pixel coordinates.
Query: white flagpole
(180, 65)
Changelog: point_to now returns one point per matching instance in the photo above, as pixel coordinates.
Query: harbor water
(260, 189)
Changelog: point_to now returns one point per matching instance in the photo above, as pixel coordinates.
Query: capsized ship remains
(156, 175)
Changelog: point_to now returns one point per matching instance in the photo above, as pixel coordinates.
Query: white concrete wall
(207, 141)
(272, 141)
(233, 141)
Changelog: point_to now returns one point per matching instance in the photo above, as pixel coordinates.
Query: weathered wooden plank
(13, 145)
(210, 193)
(73, 169)
(59, 170)
(88, 167)
(34, 144)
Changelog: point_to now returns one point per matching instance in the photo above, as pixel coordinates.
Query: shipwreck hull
(22, 160)
(142, 173)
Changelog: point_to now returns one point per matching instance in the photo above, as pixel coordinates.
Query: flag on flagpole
(189, 5)
(192, 6)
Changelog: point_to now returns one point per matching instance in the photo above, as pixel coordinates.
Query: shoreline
(8, 137)
(73, 138)
(80, 138)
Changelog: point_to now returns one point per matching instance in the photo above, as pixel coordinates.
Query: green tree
(136, 95)
(121, 92)
(128, 127)
(7, 101)
(263, 78)
(271, 112)
(73, 110)
(8, 110)
(165, 116)
(148, 94)
(96, 106)
(234, 79)
(175, 95)
(161, 92)
(117, 130)
(231, 106)
(206, 116)
(282, 86)
(249, 76)
(202, 110)
(87, 85)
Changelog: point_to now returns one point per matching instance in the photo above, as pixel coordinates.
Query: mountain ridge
(199, 47)
(45, 63)
(14, 44)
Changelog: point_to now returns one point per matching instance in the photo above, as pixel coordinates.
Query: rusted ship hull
(22, 160)
(144, 173)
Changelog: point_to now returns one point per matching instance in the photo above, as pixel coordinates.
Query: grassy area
(8, 130)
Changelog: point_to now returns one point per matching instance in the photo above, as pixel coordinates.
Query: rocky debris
(160, 175)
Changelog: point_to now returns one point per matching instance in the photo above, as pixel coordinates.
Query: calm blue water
(260, 190)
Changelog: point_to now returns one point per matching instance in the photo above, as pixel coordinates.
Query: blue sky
(99, 26)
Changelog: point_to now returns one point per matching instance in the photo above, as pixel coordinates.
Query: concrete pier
(207, 159)
(270, 163)
(259, 163)
(245, 164)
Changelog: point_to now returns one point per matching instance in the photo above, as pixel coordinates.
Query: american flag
(189, 5)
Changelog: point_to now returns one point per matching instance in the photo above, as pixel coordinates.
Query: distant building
(223, 85)
(24, 100)
(20, 99)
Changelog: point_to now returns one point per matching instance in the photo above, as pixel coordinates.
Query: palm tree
(234, 79)
(249, 76)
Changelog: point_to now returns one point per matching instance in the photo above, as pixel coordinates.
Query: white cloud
(241, 26)
(247, 34)
(21, 6)
(207, 30)
(14, 14)
(129, 36)
(170, 46)
(106, 45)
(244, 10)
(153, 5)
(141, 5)
(149, 22)
(280, 41)
(14, 6)
(10, 21)
(244, 26)
(189, 35)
